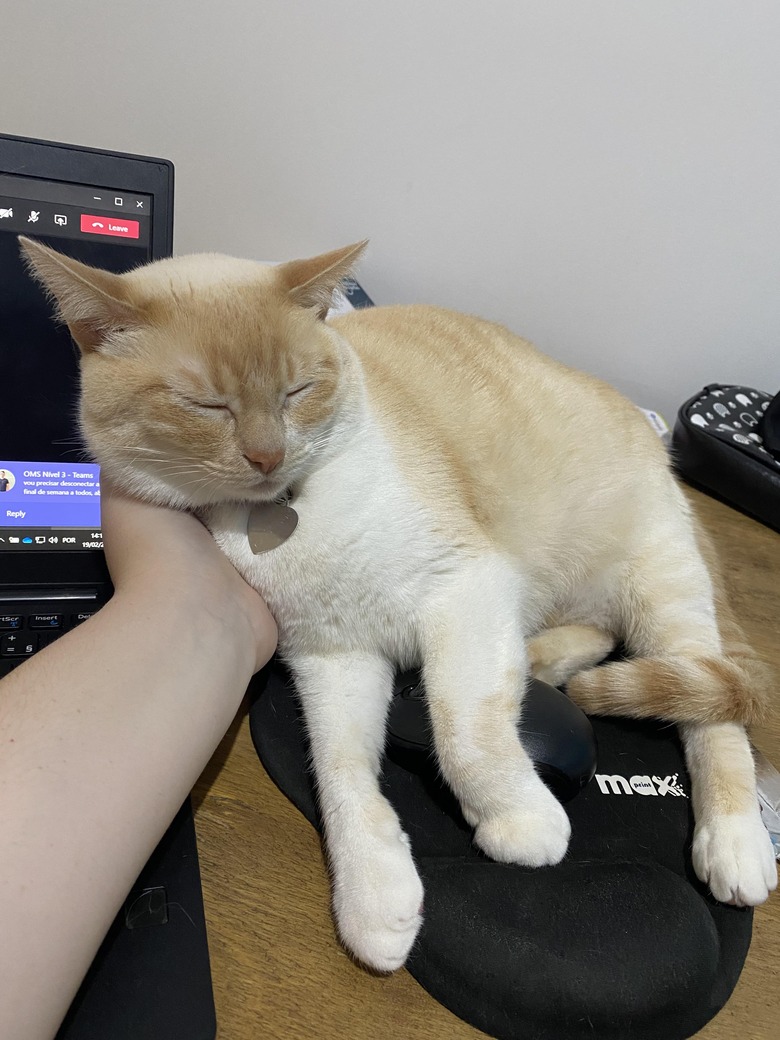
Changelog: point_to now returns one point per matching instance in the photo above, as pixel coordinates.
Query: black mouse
(556, 734)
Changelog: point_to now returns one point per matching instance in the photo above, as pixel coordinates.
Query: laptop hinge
(28, 595)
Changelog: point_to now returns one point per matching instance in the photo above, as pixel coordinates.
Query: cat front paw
(533, 833)
(734, 856)
(377, 903)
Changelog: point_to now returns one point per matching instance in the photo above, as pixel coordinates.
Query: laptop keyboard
(27, 627)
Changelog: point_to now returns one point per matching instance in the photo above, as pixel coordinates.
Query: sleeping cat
(465, 503)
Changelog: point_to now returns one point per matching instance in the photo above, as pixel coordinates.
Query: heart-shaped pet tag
(270, 524)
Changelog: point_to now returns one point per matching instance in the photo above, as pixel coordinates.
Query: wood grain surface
(279, 973)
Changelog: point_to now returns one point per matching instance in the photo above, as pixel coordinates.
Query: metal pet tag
(270, 524)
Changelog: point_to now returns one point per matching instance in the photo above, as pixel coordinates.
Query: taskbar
(48, 538)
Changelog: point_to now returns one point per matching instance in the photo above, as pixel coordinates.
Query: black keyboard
(30, 621)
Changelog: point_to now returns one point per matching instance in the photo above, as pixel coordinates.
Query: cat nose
(266, 460)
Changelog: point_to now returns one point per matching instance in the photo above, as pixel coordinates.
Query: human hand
(156, 551)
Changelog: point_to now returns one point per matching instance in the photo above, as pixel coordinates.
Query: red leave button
(116, 226)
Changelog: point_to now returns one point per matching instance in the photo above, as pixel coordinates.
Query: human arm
(102, 735)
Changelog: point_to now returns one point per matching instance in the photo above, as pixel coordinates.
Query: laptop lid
(106, 209)
(151, 977)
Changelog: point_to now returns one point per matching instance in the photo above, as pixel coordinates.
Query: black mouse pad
(618, 941)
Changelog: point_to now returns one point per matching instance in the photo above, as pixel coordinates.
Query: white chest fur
(357, 571)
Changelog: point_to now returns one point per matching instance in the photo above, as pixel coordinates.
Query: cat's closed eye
(299, 390)
(209, 406)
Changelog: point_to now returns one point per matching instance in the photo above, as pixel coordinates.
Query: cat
(465, 503)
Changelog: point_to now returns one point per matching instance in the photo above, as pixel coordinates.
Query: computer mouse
(556, 734)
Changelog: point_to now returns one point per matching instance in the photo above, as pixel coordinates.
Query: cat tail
(732, 686)
(677, 688)
(683, 683)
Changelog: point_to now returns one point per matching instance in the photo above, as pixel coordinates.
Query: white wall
(603, 176)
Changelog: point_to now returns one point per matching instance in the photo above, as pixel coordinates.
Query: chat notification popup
(36, 494)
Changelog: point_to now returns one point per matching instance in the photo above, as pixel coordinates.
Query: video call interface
(49, 488)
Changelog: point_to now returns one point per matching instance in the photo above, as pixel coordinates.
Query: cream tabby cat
(464, 503)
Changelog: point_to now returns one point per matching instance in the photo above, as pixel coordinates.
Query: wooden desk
(278, 971)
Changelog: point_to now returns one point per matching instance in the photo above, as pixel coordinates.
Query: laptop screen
(49, 490)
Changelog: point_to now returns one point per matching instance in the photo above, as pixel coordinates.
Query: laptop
(151, 978)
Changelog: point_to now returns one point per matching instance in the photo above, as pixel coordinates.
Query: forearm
(101, 737)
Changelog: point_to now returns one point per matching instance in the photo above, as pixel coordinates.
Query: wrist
(164, 558)
(218, 605)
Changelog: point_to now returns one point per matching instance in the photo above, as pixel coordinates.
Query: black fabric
(618, 941)
(725, 441)
(770, 427)
(151, 977)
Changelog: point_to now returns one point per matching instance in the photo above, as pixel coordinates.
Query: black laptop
(151, 978)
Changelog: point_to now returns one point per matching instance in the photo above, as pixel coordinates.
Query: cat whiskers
(200, 479)
(171, 466)
(311, 459)
(161, 468)
(138, 449)
(171, 470)
(203, 475)
(313, 446)
(77, 449)
(203, 483)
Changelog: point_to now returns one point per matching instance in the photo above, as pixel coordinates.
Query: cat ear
(310, 283)
(93, 303)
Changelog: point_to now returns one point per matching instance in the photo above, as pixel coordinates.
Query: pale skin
(102, 736)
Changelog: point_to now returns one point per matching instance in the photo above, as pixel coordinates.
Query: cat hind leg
(556, 654)
(689, 664)
(732, 852)
(687, 659)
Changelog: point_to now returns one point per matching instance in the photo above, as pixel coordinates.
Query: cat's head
(206, 378)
